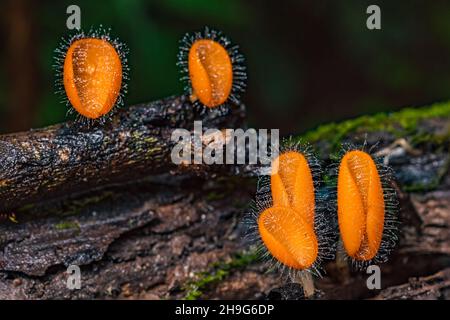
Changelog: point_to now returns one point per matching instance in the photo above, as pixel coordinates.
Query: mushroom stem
(307, 282)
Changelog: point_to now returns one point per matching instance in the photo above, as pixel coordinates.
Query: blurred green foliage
(308, 62)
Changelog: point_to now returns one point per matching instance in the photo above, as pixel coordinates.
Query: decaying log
(160, 238)
(73, 158)
(144, 240)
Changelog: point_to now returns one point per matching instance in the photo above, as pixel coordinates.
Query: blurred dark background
(309, 62)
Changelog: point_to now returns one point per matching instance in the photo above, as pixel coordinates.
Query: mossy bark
(175, 237)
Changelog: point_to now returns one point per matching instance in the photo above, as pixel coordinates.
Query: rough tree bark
(73, 157)
(175, 237)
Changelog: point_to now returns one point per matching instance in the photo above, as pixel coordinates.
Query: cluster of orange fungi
(93, 77)
(287, 228)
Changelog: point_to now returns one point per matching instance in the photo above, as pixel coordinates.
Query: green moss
(152, 151)
(68, 207)
(151, 140)
(65, 225)
(26, 207)
(217, 272)
(397, 123)
(144, 144)
(74, 207)
(212, 196)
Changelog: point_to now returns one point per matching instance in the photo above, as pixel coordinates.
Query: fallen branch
(70, 158)
(166, 238)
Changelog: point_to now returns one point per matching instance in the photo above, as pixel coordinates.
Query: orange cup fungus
(361, 207)
(211, 72)
(92, 69)
(287, 228)
(288, 237)
(212, 68)
(92, 76)
(292, 184)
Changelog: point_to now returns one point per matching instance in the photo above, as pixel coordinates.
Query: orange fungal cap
(288, 237)
(92, 76)
(360, 205)
(210, 72)
(292, 184)
(287, 228)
